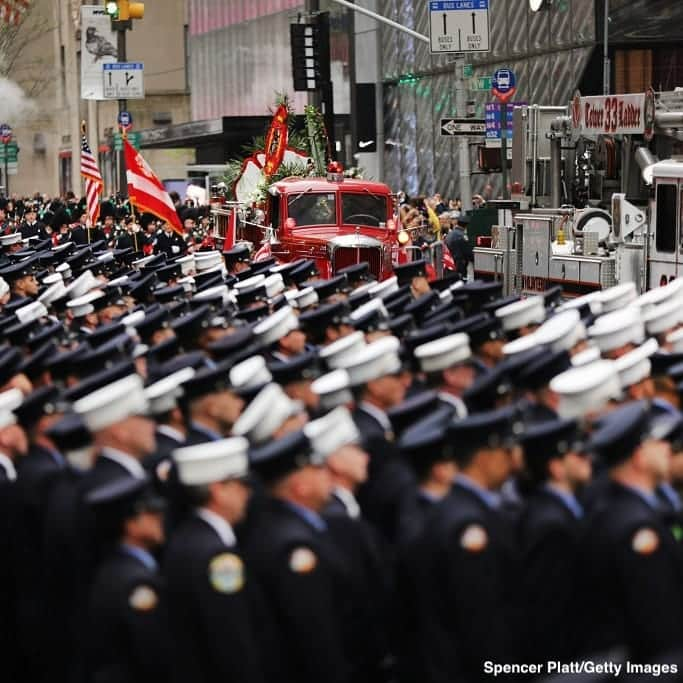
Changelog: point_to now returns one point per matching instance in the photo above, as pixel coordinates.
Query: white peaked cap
(443, 353)
(277, 325)
(113, 403)
(212, 461)
(654, 297)
(301, 298)
(274, 285)
(266, 413)
(339, 353)
(587, 388)
(250, 283)
(617, 329)
(83, 284)
(133, 319)
(212, 292)
(251, 372)
(635, 366)
(163, 395)
(369, 307)
(520, 345)
(561, 332)
(331, 432)
(52, 293)
(663, 317)
(589, 355)
(186, 264)
(143, 261)
(333, 389)
(53, 278)
(31, 312)
(617, 297)
(376, 360)
(384, 288)
(522, 313)
(207, 260)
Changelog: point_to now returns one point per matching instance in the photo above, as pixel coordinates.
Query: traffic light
(311, 53)
(124, 10)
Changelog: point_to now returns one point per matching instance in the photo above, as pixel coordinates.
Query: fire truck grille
(348, 256)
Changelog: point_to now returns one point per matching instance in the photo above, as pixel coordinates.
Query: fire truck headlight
(403, 237)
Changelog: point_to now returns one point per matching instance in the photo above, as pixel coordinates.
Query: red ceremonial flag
(145, 190)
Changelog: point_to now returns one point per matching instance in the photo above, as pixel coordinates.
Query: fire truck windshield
(363, 209)
(313, 209)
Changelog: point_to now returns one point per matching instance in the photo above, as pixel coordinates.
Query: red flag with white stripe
(146, 191)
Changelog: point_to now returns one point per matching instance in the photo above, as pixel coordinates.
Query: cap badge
(226, 573)
(645, 541)
(474, 539)
(143, 599)
(302, 560)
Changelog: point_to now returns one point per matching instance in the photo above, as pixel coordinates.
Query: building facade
(48, 71)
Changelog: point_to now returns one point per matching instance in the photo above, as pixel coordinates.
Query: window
(274, 211)
(666, 218)
(313, 209)
(363, 209)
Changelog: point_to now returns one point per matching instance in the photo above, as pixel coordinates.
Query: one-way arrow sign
(451, 127)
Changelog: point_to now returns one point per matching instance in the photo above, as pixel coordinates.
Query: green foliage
(312, 141)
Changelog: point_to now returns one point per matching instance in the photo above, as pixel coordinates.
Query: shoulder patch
(226, 573)
(474, 538)
(302, 560)
(645, 541)
(143, 599)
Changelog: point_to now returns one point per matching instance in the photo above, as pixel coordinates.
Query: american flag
(93, 180)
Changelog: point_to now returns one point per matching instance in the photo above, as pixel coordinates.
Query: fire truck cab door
(666, 256)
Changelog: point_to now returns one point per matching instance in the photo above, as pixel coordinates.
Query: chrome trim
(353, 242)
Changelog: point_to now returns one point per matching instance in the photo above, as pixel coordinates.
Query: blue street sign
(494, 122)
(503, 81)
(125, 119)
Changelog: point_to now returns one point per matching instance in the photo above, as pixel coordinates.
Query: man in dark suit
(169, 242)
(462, 570)
(549, 534)
(127, 638)
(315, 588)
(460, 247)
(630, 589)
(32, 227)
(216, 617)
(122, 434)
(378, 386)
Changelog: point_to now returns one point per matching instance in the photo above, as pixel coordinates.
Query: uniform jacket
(460, 579)
(127, 634)
(630, 578)
(214, 610)
(390, 478)
(549, 535)
(318, 593)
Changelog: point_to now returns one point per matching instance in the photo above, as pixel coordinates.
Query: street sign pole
(463, 145)
(123, 106)
(504, 148)
(504, 87)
